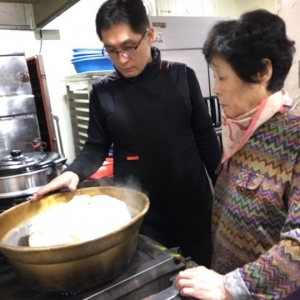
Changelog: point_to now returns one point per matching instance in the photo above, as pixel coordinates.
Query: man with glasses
(153, 113)
(127, 51)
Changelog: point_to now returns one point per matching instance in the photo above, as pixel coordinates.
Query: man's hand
(67, 179)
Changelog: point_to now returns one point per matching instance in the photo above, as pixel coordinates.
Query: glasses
(126, 51)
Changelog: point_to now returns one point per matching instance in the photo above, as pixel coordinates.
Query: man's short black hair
(115, 12)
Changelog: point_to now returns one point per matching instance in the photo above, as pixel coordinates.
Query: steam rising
(131, 183)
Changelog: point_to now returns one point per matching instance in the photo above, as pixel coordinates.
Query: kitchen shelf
(78, 91)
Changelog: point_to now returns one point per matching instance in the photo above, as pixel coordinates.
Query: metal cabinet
(78, 91)
(18, 119)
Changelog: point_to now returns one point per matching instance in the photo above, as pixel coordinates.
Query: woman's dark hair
(245, 42)
(115, 12)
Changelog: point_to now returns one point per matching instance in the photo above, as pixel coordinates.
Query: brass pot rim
(28, 249)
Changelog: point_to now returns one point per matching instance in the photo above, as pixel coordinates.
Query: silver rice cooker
(24, 174)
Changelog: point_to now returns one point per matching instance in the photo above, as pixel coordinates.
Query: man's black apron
(155, 150)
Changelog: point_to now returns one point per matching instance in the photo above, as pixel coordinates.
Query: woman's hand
(67, 179)
(201, 283)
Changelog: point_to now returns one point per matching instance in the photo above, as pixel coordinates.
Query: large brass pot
(73, 267)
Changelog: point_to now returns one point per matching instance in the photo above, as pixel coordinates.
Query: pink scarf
(236, 132)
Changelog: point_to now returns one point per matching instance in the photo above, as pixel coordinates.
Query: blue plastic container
(82, 54)
(86, 56)
(78, 50)
(96, 63)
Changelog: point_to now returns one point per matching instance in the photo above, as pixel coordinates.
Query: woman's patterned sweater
(256, 214)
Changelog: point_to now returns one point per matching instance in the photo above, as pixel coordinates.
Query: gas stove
(6, 203)
(149, 275)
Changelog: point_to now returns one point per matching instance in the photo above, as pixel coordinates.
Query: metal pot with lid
(25, 173)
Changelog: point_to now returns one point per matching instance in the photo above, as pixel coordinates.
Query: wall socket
(47, 34)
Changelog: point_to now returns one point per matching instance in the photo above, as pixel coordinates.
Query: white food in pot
(81, 219)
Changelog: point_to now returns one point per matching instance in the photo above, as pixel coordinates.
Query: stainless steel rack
(78, 90)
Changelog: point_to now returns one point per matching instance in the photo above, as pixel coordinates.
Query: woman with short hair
(256, 209)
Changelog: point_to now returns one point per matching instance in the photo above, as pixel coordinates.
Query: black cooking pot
(25, 173)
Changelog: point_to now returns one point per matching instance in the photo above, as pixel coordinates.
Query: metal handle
(59, 161)
(56, 119)
(15, 153)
